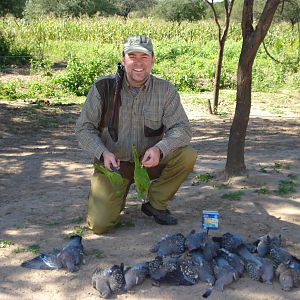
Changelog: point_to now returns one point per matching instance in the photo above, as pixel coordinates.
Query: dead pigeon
(70, 257)
(203, 267)
(179, 272)
(225, 273)
(265, 242)
(136, 275)
(210, 250)
(195, 240)
(289, 274)
(234, 260)
(280, 255)
(109, 281)
(267, 270)
(253, 265)
(169, 245)
(230, 241)
(156, 270)
(284, 273)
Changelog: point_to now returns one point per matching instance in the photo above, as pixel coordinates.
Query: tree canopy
(179, 10)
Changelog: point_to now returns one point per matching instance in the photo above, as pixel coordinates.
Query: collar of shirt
(144, 87)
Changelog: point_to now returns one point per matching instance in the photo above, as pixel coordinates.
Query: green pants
(104, 206)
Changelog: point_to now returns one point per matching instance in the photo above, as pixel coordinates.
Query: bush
(80, 74)
(10, 52)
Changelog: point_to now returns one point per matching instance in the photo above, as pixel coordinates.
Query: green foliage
(37, 8)
(234, 196)
(286, 187)
(262, 191)
(281, 166)
(14, 7)
(37, 90)
(81, 74)
(179, 10)
(124, 7)
(34, 248)
(5, 243)
(42, 67)
(185, 52)
(204, 177)
(11, 51)
(78, 230)
(287, 11)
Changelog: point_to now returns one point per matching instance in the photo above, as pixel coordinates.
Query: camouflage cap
(138, 43)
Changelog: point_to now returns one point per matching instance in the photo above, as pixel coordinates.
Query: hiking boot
(162, 217)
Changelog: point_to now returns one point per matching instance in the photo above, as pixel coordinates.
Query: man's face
(138, 66)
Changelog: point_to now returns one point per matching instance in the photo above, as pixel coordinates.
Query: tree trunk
(235, 164)
(218, 76)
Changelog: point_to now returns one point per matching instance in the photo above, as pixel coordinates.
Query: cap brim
(137, 49)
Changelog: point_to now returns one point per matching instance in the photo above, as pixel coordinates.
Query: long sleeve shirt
(151, 116)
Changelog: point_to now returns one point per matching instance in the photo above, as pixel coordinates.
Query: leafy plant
(281, 166)
(5, 243)
(204, 177)
(233, 195)
(286, 187)
(262, 191)
(78, 230)
(292, 177)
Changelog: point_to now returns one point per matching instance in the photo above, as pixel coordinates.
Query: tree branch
(211, 4)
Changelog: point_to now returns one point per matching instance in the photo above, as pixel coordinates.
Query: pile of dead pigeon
(180, 260)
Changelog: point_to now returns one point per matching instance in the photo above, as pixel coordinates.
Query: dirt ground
(44, 181)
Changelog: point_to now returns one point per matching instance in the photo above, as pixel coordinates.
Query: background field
(186, 54)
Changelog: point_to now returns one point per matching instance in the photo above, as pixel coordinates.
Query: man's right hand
(109, 160)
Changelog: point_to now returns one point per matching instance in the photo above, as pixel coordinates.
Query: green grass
(92, 47)
(286, 187)
(206, 177)
(78, 230)
(34, 248)
(233, 196)
(95, 252)
(5, 243)
(281, 166)
(262, 191)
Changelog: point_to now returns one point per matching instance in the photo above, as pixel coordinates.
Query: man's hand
(109, 160)
(151, 157)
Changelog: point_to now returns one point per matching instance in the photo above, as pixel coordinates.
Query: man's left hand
(151, 157)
